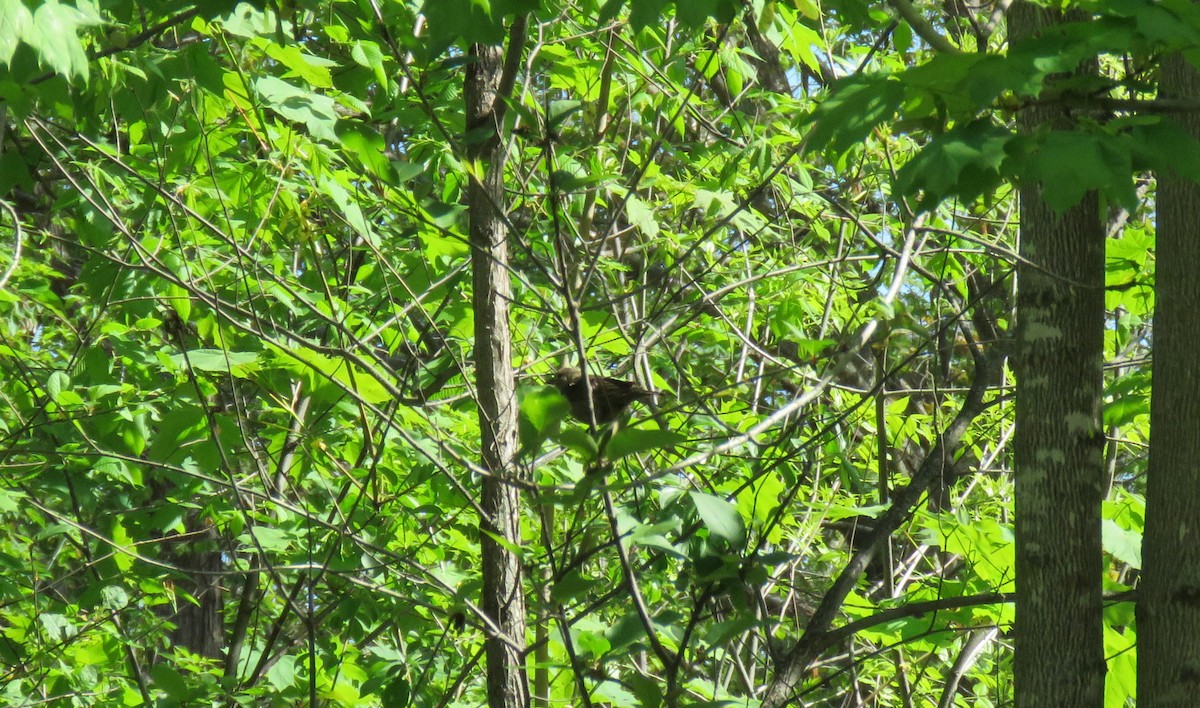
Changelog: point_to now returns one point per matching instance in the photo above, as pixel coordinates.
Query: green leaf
(397, 691)
(802, 39)
(503, 542)
(644, 13)
(1120, 679)
(15, 21)
(578, 440)
(641, 216)
(1125, 409)
(350, 209)
(56, 384)
(1070, 163)
(322, 369)
(118, 470)
(720, 517)
(592, 643)
(1164, 146)
(114, 597)
(945, 76)
(542, 412)
(170, 681)
(648, 690)
(54, 36)
(282, 674)
(1122, 544)
(651, 535)
(57, 626)
(696, 13)
(271, 539)
(10, 500)
(1060, 49)
(368, 147)
(761, 497)
(311, 69)
(316, 112)
(122, 540)
(543, 407)
(438, 246)
(241, 364)
(630, 441)
(966, 163)
(570, 586)
(853, 109)
(463, 21)
(369, 55)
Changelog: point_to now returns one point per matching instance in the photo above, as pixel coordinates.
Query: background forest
(283, 286)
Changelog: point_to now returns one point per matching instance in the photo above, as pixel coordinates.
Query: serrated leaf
(15, 21)
(965, 162)
(853, 109)
(1165, 146)
(54, 36)
(642, 216)
(1070, 163)
(10, 500)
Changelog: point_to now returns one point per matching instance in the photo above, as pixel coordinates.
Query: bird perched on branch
(610, 397)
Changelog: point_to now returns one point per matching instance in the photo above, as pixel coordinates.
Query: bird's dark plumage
(610, 396)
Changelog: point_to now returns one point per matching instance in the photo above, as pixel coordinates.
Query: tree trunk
(200, 628)
(199, 625)
(500, 530)
(1168, 611)
(1059, 441)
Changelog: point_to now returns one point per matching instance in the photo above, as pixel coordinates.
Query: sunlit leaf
(720, 517)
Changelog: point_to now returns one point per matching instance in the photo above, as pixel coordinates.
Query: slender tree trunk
(1168, 611)
(1059, 442)
(500, 527)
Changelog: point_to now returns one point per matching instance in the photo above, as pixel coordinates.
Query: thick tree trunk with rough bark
(500, 527)
(1059, 443)
(199, 627)
(1168, 611)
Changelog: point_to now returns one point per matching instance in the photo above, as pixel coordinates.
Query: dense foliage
(238, 437)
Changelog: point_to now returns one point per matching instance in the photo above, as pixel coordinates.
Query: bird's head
(566, 376)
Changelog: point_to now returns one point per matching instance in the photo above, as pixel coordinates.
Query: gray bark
(503, 598)
(1059, 441)
(1168, 611)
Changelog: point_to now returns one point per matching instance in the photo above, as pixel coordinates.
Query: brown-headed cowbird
(610, 396)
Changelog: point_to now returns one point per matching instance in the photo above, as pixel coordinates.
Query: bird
(610, 397)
